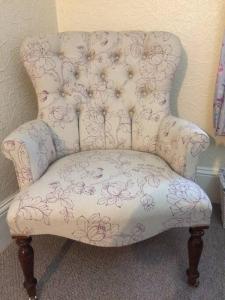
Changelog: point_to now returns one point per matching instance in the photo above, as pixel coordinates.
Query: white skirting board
(207, 178)
(5, 238)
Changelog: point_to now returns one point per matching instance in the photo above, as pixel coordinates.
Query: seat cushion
(108, 198)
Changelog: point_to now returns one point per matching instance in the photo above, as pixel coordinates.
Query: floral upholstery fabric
(103, 90)
(180, 143)
(93, 166)
(31, 149)
(108, 198)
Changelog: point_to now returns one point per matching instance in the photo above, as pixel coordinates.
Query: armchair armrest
(31, 149)
(180, 143)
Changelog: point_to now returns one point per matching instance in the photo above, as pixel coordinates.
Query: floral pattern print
(95, 229)
(180, 143)
(60, 115)
(219, 103)
(103, 100)
(31, 149)
(183, 208)
(108, 198)
(115, 193)
(29, 209)
(88, 84)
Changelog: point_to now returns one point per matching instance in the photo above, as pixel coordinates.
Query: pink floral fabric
(219, 103)
(180, 143)
(31, 149)
(108, 198)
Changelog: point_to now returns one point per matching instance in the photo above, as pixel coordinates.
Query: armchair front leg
(26, 258)
(195, 246)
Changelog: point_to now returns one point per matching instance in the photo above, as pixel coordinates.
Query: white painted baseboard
(5, 238)
(207, 178)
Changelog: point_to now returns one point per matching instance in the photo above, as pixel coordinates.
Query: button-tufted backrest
(102, 90)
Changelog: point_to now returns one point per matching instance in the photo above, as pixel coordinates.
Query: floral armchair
(105, 163)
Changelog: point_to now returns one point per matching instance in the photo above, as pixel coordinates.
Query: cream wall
(18, 19)
(200, 26)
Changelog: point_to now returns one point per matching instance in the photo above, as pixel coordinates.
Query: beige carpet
(153, 269)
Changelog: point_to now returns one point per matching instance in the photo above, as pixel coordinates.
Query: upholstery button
(60, 54)
(62, 93)
(90, 93)
(90, 55)
(102, 75)
(145, 54)
(131, 112)
(117, 93)
(116, 57)
(130, 74)
(143, 92)
(76, 74)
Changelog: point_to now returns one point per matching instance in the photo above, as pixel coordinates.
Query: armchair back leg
(26, 258)
(195, 246)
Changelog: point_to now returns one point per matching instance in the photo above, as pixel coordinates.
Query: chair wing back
(102, 90)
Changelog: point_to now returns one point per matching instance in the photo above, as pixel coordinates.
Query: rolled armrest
(31, 149)
(180, 143)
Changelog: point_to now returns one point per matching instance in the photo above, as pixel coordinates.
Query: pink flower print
(80, 188)
(152, 175)
(42, 66)
(63, 197)
(137, 232)
(43, 96)
(60, 115)
(136, 48)
(95, 230)
(149, 114)
(67, 214)
(36, 50)
(186, 201)
(158, 63)
(115, 193)
(97, 173)
(34, 208)
(59, 195)
(199, 143)
(147, 202)
(150, 143)
(24, 175)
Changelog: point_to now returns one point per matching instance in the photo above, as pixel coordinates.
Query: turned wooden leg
(26, 258)
(195, 245)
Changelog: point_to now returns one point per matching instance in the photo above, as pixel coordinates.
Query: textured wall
(18, 19)
(200, 26)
